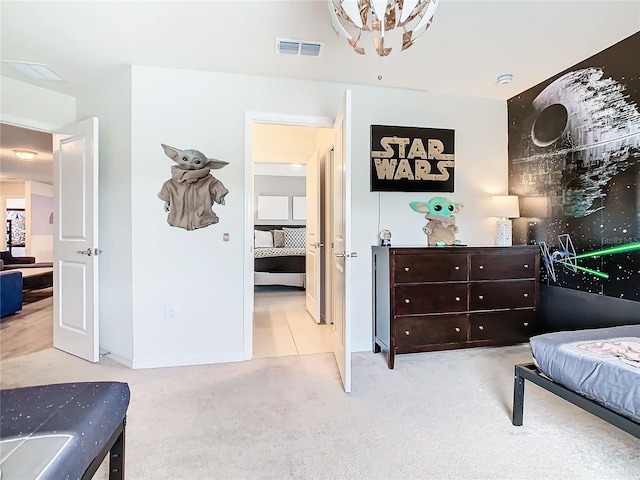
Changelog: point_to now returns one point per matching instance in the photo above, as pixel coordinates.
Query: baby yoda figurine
(441, 226)
(190, 194)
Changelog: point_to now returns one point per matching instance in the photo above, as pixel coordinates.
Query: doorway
(282, 323)
(26, 203)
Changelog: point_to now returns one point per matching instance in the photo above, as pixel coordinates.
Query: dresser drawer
(410, 331)
(494, 295)
(433, 298)
(430, 268)
(501, 267)
(518, 325)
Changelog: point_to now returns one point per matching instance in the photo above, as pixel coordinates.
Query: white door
(342, 241)
(314, 246)
(75, 262)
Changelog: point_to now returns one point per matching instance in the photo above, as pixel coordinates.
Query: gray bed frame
(530, 372)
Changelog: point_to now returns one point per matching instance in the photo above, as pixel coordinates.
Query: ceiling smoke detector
(285, 46)
(505, 79)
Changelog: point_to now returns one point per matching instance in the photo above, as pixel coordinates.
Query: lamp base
(503, 232)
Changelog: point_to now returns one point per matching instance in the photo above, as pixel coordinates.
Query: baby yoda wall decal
(190, 194)
(441, 226)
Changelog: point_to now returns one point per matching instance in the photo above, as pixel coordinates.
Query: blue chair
(10, 292)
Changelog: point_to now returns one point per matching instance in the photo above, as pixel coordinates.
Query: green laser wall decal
(611, 250)
(592, 272)
(566, 256)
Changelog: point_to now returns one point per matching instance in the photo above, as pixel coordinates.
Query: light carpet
(438, 415)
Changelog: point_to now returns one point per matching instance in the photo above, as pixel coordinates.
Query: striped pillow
(295, 237)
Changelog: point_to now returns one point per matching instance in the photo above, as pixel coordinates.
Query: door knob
(87, 252)
(352, 255)
(340, 254)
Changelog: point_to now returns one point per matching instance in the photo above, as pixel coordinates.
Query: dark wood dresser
(440, 298)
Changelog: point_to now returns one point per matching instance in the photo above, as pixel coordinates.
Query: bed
(597, 370)
(279, 255)
(63, 430)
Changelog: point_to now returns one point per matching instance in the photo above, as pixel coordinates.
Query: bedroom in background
(288, 193)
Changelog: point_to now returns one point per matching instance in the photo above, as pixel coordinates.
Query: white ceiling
(469, 44)
(14, 169)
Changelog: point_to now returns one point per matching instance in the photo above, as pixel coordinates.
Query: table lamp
(506, 207)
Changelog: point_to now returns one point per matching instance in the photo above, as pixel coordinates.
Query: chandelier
(393, 25)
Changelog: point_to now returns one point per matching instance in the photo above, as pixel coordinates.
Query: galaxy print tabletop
(55, 431)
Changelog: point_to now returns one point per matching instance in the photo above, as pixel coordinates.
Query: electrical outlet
(169, 312)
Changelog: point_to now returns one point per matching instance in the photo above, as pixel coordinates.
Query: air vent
(285, 46)
(36, 71)
(310, 49)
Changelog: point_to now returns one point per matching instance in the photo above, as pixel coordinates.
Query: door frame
(250, 118)
(31, 125)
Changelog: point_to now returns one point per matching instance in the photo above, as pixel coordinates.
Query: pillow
(278, 238)
(295, 237)
(262, 238)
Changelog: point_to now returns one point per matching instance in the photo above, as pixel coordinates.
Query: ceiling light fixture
(25, 154)
(505, 79)
(395, 25)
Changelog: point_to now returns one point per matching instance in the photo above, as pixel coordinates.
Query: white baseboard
(127, 362)
(185, 360)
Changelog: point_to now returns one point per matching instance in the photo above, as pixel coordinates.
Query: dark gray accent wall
(568, 309)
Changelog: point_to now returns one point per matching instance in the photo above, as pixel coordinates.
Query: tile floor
(282, 326)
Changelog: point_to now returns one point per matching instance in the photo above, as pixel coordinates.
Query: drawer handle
(481, 327)
(526, 265)
(526, 324)
(481, 267)
(457, 329)
(406, 300)
(457, 299)
(525, 295)
(406, 269)
(456, 267)
(406, 332)
(481, 297)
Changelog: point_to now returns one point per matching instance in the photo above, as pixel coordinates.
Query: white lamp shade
(505, 206)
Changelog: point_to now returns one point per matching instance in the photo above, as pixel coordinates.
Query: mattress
(55, 431)
(593, 364)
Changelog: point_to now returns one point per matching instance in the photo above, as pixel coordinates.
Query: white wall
(480, 170)
(27, 105)
(7, 190)
(196, 274)
(40, 245)
(110, 101)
